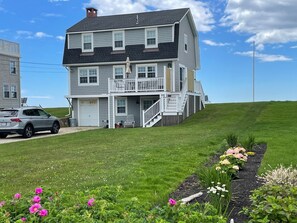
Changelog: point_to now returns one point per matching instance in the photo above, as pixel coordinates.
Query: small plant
(232, 140)
(273, 204)
(282, 176)
(249, 143)
(219, 197)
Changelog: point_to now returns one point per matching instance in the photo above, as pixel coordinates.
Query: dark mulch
(241, 187)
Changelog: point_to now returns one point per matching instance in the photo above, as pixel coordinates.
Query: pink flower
(38, 190)
(91, 202)
(17, 196)
(172, 202)
(2, 203)
(43, 213)
(34, 208)
(23, 219)
(36, 199)
(230, 151)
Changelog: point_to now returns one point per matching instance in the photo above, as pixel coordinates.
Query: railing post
(136, 82)
(143, 119)
(109, 85)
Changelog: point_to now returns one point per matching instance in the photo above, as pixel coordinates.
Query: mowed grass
(149, 163)
(58, 112)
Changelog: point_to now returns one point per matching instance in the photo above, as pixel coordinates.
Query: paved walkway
(63, 131)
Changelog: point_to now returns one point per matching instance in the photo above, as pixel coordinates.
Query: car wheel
(28, 131)
(3, 135)
(55, 128)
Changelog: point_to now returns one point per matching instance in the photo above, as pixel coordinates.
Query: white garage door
(88, 112)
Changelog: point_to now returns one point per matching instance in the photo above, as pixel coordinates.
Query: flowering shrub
(99, 205)
(283, 176)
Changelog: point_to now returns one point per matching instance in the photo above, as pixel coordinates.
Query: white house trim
(92, 42)
(88, 76)
(113, 40)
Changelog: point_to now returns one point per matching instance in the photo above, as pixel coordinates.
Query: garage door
(88, 112)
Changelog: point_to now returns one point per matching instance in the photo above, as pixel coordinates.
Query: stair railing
(149, 114)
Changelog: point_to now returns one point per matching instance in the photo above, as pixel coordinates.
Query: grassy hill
(149, 163)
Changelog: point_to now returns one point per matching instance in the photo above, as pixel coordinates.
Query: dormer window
(87, 42)
(118, 40)
(151, 40)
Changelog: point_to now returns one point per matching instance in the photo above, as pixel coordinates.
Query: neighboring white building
(9, 74)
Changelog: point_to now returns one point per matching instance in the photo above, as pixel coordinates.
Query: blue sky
(227, 30)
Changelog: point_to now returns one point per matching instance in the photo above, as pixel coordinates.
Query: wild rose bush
(99, 205)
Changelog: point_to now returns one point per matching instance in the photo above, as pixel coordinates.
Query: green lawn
(149, 163)
(58, 112)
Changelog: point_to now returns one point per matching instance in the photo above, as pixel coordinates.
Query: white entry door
(88, 112)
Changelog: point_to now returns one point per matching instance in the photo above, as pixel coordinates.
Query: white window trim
(186, 43)
(15, 67)
(82, 42)
(113, 40)
(87, 84)
(146, 73)
(126, 106)
(4, 91)
(119, 66)
(13, 85)
(151, 46)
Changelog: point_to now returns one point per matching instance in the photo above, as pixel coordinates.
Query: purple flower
(23, 219)
(36, 199)
(17, 196)
(2, 203)
(172, 202)
(43, 213)
(38, 190)
(35, 208)
(91, 202)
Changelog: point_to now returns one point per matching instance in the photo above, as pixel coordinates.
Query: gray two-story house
(140, 65)
(9, 74)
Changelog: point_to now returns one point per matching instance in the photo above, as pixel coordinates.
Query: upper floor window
(118, 40)
(12, 67)
(151, 40)
(88, 76)
(87, 42)
(147, 71)
(118, 72)
(13, 91)
(186, 43)
(6, 91)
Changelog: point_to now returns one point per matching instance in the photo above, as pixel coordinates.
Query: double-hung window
(118, 40)
(12, 67)
(6, 91)
(147, 71)
(87, 42)
(13, 91)
(121, 104)
(88, 76)
(118, 72)
(151, 40)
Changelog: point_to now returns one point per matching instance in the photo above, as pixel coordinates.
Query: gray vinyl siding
(165, 34)
(134, 37)
(102, 39)
(74, 41)
(105, 72)
(103, 111)
(75, 108)
(187, 59)
(191, 104)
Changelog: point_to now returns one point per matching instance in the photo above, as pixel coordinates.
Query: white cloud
(39, 97)
(202, 16)
(51, 15)
(212, 43)
(293, 47)
(272, 21)
(42, 35)
(60, 38)
(264, 57)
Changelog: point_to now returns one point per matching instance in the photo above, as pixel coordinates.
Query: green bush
(232, 140)
(99, 205)
(249, 143)
(273, 204)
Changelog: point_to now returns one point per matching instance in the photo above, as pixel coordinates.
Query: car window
(30, 112)
(8, 113)
(42, 113)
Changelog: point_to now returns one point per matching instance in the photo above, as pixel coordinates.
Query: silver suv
(26, 121)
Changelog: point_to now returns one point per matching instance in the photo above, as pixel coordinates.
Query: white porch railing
(151, 112)
(183, 95)
(199, 89)
(136, 85)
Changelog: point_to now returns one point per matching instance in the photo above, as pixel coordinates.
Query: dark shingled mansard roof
(124, 21)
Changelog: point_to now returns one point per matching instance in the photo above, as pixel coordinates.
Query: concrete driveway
(38, 135)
